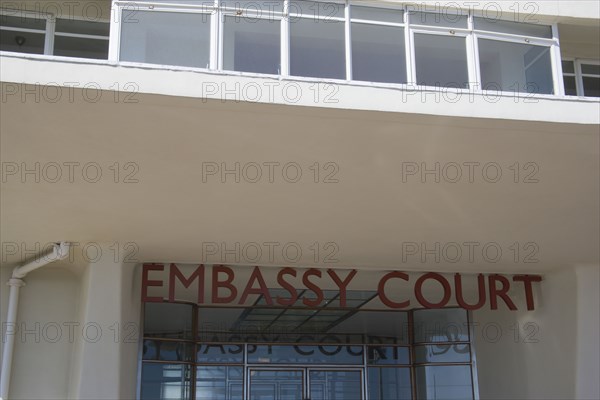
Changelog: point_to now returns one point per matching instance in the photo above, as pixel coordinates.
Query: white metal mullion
(81, 36)
(216, 38)
(555, 57)
(411, 74)
(49, 39)
(516, 39)
(285, 40)
(477, 62)
(114, 42)
(472, 59)
(348, 26)
(579, 79)
(25, 30)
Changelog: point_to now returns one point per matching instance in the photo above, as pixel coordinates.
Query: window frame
(579, 75)
(552, 43)
(350, 21)
(214, 8)
(50, 32)
(579, 62)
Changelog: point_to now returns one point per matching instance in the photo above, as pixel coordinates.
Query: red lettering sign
(224, 287)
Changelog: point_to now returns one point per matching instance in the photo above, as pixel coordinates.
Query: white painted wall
(560, 358)
(43, 349)
(587, 338)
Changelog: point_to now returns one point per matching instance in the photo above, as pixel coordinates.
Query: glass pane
(276, 385)
(444, 382)
(446, 325)
(181, 39)
(315, 9)
(17, 21)
(220, 353)
(157, 350)
(389, 384)
(317, 49)
(570, 86)
(515, 28)
(173, 321)
(256, 7)
(568, 67)
(378, 53)
(377, 327)
(443, 19)
(305, 354)
(390, 355)
(80, 47)
(440, 353)
(252, 45)
(354, 298)
(591, 87)
(219, 383)
(515, 67)
(82, 27)
(441, 61)
(335, 385)
(22, 42)
(377, 14)
(590, 69)
(165, 382)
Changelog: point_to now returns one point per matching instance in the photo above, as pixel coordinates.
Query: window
(442, 352)
(335, 39)
(446, 19)
(569, 77)
(378, 45)
(84, 39)
(590, 76)
(22, 34)
(168, 38)
(581, 78)
(441, 61)
(520, 62)
(317, 41)
(252, 45)
(516, 67)
(513, 28)
(30, 33)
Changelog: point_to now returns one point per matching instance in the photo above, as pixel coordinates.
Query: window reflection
(166, 38)
(441, 61)
(252, 45)
(219, 383)
(444, 382)
(165, 382)
(317, 49)
(389, 383)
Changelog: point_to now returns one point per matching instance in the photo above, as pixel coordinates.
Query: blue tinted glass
(165, 382)
(389, 384)
(305, 354)
(444, 382)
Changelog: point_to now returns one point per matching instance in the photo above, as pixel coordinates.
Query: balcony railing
(342, 41)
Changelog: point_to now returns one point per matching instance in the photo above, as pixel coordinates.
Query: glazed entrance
(325, 353)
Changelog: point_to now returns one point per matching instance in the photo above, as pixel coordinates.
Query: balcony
(307, 53)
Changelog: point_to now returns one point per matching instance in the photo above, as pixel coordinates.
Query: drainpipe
(59, 252)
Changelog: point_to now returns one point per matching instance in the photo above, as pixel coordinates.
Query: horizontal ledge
(309, 92)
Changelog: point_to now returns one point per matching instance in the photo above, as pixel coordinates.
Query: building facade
(300, 200)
